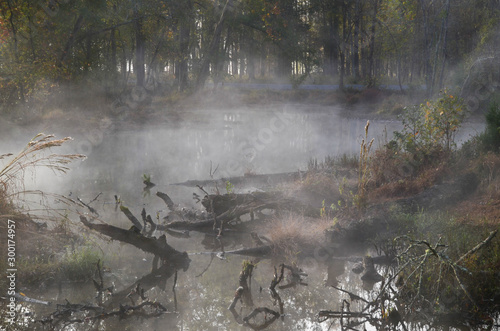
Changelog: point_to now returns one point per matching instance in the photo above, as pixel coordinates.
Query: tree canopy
(184, 44)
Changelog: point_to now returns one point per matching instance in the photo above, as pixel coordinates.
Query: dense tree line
(46, 43)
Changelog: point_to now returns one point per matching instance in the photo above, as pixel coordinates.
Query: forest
(169, 46)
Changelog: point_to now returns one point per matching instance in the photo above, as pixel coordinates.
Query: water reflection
(257, 141)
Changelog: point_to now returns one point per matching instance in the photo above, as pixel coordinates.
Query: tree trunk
(343, 47)
(113, 53)
(443, 64)
(71, 39)
(355, 50)
(251, 56)
(329, 47)
(427, 55)
(139, 49)
(372, 44)
(212, 49)
(184, 40)
(263, 52)
(15, 50)
(88, 50)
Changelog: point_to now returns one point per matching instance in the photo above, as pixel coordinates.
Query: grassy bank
(433, 206)
(46, 248)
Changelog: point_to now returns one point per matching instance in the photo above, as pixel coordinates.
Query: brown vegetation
(293, 234)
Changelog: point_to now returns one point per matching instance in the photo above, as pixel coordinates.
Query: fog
(280, 138)
(261, 140)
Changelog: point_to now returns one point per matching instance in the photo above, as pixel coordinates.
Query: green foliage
(229, 187)
(492, 133)
(431, 125)
(80, 264)
(327, 212)
(46, 43)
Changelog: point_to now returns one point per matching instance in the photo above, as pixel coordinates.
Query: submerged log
(168, 201)
(370, 274)
(147, 282)
(131, 217)
(154, 246)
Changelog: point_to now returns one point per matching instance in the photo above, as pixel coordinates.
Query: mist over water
(261, 141)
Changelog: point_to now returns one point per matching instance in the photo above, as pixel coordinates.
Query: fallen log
(261, 251)
(133, 236)
(252, 179)
(228, 207)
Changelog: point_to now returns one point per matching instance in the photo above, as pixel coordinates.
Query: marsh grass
(32, 156)
(38, 243)
(292, 234)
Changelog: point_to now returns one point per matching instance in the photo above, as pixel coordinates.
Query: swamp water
(261, 141)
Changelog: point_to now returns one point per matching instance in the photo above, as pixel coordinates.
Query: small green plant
(79, 264)
(146, 180)
(327, 212)
(229, 187)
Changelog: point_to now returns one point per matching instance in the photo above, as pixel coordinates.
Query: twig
(97, 196)
(478, 246)
(92, 210)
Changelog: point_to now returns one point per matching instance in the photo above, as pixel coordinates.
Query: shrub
(492, 133)
(431, 125)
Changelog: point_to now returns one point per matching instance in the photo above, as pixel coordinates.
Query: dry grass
(33, 156)
(292, 234)
(409, 186)
(37, 242)
(395, 174)
(321, 184)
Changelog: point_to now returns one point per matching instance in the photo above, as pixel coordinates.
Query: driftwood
(133, 236)
(228, 207)
(223, 209)
(207, 226)
(65, 313)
